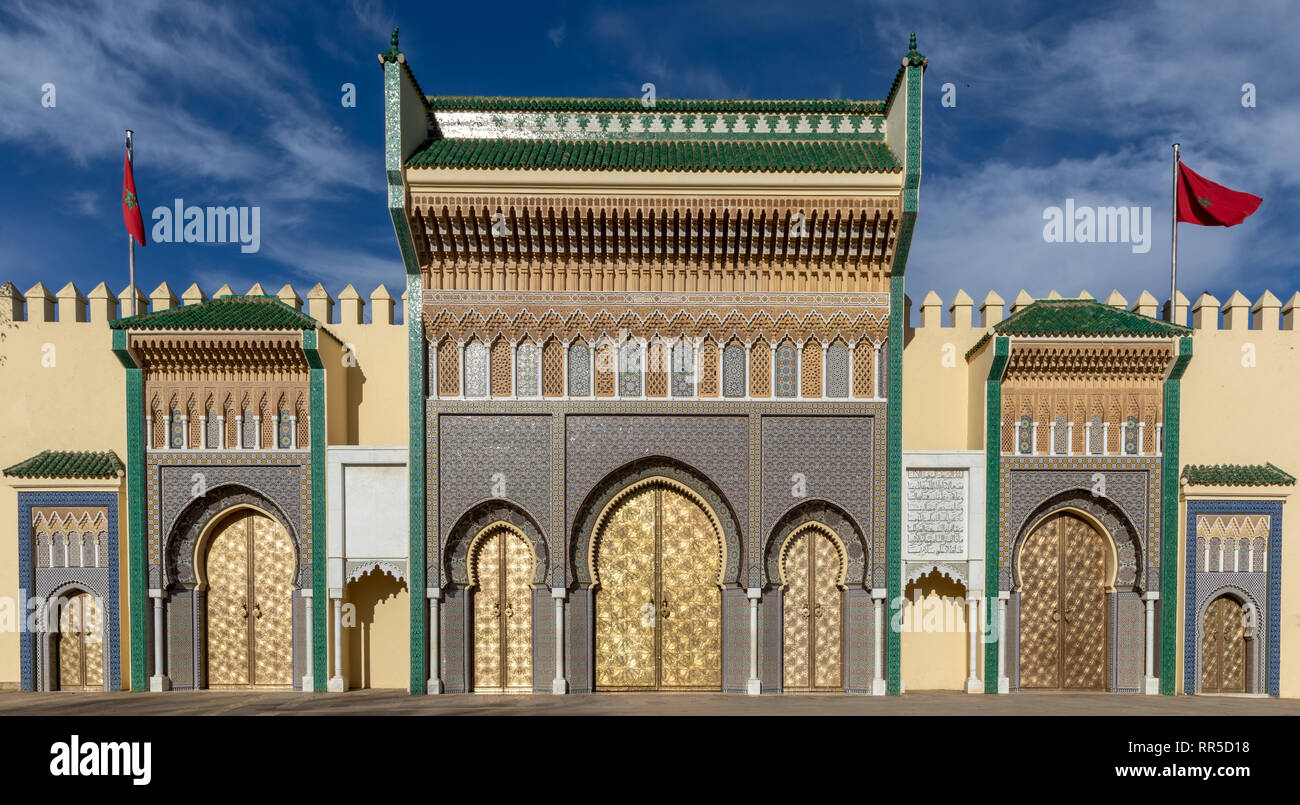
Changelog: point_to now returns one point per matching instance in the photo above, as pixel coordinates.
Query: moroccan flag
(131, 204)
(1205, 203)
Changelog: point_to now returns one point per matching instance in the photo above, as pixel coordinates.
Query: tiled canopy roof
(68, 464)
(472, 103)
(1237, 475)
(834, 156)
(225, 313)
(1088, 318)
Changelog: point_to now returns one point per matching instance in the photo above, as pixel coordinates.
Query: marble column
(878, 687)
(159, 680)
(754, 686)
(973, 631)
(1004, 682)
(337, 683)
(434, 684)
(1151, 682)
(560, 685)
(308, 682)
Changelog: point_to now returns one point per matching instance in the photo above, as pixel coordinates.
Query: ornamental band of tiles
(654, 436)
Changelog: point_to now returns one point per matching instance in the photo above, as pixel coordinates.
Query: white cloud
(556, 34)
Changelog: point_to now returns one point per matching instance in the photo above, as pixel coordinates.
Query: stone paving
(395, 702)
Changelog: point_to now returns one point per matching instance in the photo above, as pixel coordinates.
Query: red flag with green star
(1205, 203)
(131, 204)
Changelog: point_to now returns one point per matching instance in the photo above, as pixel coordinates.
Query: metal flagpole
(1173, 252)
(130, 239)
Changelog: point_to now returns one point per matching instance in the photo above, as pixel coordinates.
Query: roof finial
(911, 46)
(913, 58)
(393, 42)
(392, 54)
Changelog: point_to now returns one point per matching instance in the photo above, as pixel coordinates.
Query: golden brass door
(1223, 648)
(812, 654)
(658, 604)
(503, 613)
(250, 565)
(1063, 606)
(81, 644)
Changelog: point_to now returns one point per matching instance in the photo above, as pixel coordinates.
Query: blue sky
(240, 104)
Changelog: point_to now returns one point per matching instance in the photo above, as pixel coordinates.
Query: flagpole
(130, 239)
(1173, 252)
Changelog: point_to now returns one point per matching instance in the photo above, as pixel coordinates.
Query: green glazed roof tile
(68, 464)
(1237, 475)
(476, 103)
(837, 156)
(1087, 318)
(226, 313)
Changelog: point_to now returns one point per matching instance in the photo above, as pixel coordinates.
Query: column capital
(1151, 595)
(336, 592)
(559, 593)
(1004, 595)
(156, 593)
(306, 592)
(433, 592)
(754, 593)
(879, 593)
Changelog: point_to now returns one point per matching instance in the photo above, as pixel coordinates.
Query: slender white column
(337, 684)
(1151, 682)
(434, 684)
(972, 633)
(878, 667)
(754, 686)
(308, 682)
(1004, 683)
(560, 685)
(159, 680)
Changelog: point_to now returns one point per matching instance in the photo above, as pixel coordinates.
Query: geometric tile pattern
(1255, 589)
(1132, 490)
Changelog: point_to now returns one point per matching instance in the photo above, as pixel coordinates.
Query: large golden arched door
(81, 644)
(1063, 566)
(812, 646)
(249, 566)
(658, 604)
(503, 564)
(1223, 647)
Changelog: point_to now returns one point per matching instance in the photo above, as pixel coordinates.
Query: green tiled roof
(473, 103)
(1237, 475)
(838, 156)
(226, 313)
(68, 464)
(1088, 318)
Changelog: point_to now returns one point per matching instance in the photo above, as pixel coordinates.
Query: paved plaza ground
(394, 702)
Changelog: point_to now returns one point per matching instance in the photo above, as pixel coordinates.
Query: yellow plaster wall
(376, 649)
(936, 384)
(376, 384)
(77, 403)
(1238, 414)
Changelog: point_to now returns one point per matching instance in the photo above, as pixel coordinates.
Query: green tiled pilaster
(135, 553)
(1169, 522)
(320, 591)
(993, 502)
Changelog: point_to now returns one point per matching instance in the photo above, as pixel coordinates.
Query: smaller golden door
(503, 613)
(1223, 648)
(812, 654)
(250, 566)
(81, 644)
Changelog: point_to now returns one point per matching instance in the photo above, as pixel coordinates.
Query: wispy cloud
(556, 34)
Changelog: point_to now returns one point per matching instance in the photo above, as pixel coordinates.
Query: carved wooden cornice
(221, 356)
(535, 242)
(1088, 361)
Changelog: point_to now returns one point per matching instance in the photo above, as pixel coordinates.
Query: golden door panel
(272, 610)
(1083, 606)
(1223, 648)
(625, 600)
(828, 615)
(80, 644)
(796, 626)
(690, 641)
(812, 654)
(1063, 606)
(250, 566)
(1040, 638)
(658, 606)
(503, 608)
(227, 572)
